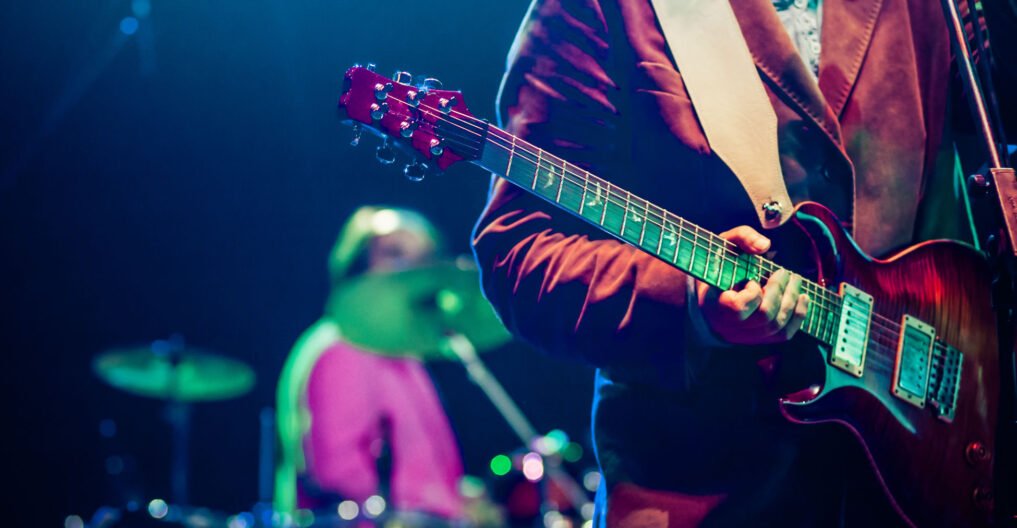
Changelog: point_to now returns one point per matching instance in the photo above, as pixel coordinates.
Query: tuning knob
(371, 66)
(436, 148)
(415, 171)
(406, 128)
(381, 91)
(402, 77)
(446, 105)
(431, 83)
(378, 110)
(384, 153)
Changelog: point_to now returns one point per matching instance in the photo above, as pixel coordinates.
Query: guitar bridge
(914, 361)
(944, 382)
(848, 352)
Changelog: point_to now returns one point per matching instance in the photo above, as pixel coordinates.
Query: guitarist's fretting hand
(754, 315)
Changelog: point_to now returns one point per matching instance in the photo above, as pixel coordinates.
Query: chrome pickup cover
(848, 353)
(914, 361)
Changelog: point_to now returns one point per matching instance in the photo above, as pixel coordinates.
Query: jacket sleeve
(555, 281)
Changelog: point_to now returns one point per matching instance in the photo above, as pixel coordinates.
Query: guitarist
(685, 416)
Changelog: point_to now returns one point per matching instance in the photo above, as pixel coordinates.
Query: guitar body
(936, 473)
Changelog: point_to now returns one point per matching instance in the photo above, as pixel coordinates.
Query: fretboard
(633, 220)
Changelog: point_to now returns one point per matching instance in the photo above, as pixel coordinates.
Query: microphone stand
(1002, 243)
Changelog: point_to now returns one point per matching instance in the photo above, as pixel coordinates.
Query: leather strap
(732, 106)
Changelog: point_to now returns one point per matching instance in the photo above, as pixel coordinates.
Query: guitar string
(887, 324)
(822, 295)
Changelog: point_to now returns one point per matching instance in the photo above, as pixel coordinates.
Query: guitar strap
(732, 106)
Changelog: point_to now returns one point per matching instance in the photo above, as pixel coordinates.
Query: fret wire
(511, 153)
(646, 216)
(582, 198)
(607, 200)
(625, 212)
(695, 231)
(536, 171)
(561, 181)
(884, 324)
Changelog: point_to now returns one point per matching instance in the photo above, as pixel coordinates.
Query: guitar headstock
(432, 124)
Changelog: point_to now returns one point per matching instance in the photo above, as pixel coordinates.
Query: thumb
(747, 239)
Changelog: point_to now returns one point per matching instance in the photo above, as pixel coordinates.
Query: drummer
(339, 405)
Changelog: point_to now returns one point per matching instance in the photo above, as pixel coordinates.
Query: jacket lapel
(776, 56)
(846, 34)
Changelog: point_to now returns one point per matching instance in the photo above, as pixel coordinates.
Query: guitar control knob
(402, 77)
(384, 154)
(436, 148)
(431, 83)
(415, 171)
(976, 452)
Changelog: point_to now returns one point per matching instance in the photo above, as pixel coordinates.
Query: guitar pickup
(848, 352)
(914, 361)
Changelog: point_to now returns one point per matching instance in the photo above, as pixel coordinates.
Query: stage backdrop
(178, 167)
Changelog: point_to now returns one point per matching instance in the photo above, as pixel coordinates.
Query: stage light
(141, 8)
(572, 452)
(129, 25)
(501, 465)
(533, 467)
(348, 510)
(158, 508)
(374, 506)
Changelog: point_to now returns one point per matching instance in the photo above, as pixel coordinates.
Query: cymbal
(409, 313)
(185, 374)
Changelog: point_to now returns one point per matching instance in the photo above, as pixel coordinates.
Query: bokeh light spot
(129, 25)
(501, 465)
(348, 510)
(158, 508)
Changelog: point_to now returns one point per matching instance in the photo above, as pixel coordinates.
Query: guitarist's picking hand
(754, 315)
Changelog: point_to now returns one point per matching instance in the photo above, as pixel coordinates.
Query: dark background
(190, 178)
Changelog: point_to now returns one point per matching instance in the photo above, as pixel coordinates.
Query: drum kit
(432, 313)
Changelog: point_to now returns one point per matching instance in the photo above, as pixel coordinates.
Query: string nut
(436, 148)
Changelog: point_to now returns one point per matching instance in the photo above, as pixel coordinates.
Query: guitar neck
(635, 221)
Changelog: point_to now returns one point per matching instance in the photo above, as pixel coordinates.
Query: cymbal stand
(178, 416)
(463, 349)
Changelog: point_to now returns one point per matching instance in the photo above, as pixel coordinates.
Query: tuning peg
(378, 110)
(371, 66)
(436, 147)
(357, 132)
(445, 105)
(431, 83)
(406, 128)
(402, 77)
(381, 91)
(413, 97)
(384, 153)
(415, 171)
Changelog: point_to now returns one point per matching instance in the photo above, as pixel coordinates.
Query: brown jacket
(593, 82)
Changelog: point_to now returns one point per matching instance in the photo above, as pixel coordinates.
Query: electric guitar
(908, 344)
